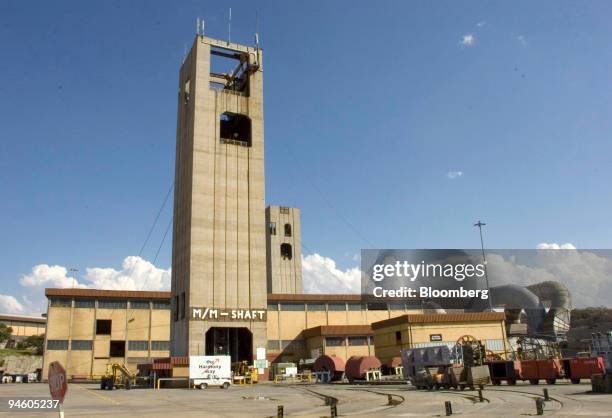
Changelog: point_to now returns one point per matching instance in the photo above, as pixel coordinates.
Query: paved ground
(308, 400)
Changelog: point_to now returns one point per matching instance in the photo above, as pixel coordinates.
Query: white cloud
(587, 274)
(468, 40)
(454, 174)
(10, 305)
(320, 275)
(522, 40)
(554, 246)
(44, 275)
(135, 274)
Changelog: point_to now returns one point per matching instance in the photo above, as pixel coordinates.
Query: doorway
(229, 341)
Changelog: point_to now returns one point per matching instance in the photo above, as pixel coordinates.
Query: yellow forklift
(117, 376)
(244, 373)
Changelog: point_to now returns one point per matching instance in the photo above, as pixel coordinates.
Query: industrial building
(23, 326)
(236, 282)
(88, 329)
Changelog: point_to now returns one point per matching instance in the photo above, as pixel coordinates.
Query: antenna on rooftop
(229, 27)
(198, 25)
(256, 30)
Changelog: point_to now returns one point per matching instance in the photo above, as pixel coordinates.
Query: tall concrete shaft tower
(284, 250)
(219, 241)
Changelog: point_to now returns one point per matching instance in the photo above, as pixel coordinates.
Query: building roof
(324, 330)
(23, 318)
(432, 318)
(281, 297)
(110, 294)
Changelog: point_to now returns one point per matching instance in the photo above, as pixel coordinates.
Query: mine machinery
(117, 376)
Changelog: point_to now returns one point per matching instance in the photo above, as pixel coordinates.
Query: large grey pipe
(514, 297)
(555, 295)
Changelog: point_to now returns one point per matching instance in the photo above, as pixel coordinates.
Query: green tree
(5, 333)
(35, 342)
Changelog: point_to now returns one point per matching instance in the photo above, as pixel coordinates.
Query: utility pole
(75, 271)
(480, 224)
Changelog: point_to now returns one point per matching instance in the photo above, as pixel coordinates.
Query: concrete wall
(284, 275)
(69, 324)
(285, 326)
(219, 229)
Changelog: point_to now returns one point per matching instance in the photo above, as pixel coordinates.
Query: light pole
(75, 271)
(480, 224)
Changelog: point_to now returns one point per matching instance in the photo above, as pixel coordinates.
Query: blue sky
(370, 109)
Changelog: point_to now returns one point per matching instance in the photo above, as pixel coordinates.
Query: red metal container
(333, 364)
(394, 362)
(550, 370)
(357, 367)
(507, 370)
(529, 371)
(543, 369)
(583, 367)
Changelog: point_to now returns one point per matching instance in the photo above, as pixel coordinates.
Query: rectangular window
(112, 304)
(398, 337)
(235, 129)
(355, 307)
(286, 251)
(57, 344)
(117, 348)
(182, 304)
(176, 308)
(103, 326)
(272, 228)
(61, 302)
(336, 306)
(284, 210)
(84, 345)
(494, 345)
(395, 306)
(160, 345)
(273, 306)
(291, 306)
(138, 345)
(186, 91)
(334, 341)
(273, 345)
(139, 304)
(161, 304)
(229, 70)
(316, 307)
(358, 340)
(84, 303)
(292, 345)
(377, 306)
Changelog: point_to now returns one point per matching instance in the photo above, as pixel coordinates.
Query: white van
(205, 371)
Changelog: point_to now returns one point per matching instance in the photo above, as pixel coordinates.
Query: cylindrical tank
(390, 365)
(357, 367)
(332, 364)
